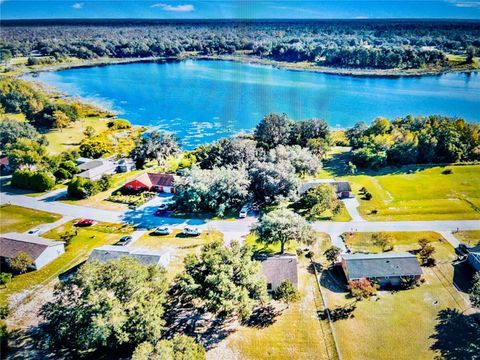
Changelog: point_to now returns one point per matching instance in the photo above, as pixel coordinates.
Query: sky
(225, 9)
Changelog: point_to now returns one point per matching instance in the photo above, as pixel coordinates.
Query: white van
(243, 212)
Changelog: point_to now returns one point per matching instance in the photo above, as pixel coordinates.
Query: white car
(243, 212)
(162, 230)
(191, 231)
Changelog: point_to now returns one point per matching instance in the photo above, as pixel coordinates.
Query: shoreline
(247, 59)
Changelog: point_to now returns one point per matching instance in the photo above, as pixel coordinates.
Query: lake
(203, 100)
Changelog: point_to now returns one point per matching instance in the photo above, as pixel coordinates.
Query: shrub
(4, 334)
(362, 288)
(447, 172)
(33, 180)
(20, 263)
(119, 124)
(310, 254)
(368, 196)
(70, 166)
(286, 292)
(4, 310)
(5, 278)
(62, 174)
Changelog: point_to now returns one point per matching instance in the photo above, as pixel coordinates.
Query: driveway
(352, 204)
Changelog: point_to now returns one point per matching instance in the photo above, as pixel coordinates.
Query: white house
(41, 250)
(94, 169)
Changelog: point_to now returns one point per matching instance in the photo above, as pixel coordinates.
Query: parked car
(124, 240)
(243, 212)
(162, 230)
(35, 231)
(191, 231)
(84, 222)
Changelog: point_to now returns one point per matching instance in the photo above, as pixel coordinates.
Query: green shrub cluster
(82, 188)
(119, 124)
(33, 180)
(135, 200)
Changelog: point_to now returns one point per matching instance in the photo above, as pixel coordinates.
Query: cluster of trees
(264, 168)
(318, 200)
(18, 96)
(366, 43)
(33, 180)
(82, 188)
(414, 140)
(127, 307)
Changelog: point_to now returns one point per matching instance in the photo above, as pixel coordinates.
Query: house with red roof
(152, 182)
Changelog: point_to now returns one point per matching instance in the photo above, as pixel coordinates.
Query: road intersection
(143, 218)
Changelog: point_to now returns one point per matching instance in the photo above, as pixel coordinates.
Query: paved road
(237, 229)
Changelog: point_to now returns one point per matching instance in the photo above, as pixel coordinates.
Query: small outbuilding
(152, 182)
(385, 268)
(41, 250)
(278, 268)
(146, 257)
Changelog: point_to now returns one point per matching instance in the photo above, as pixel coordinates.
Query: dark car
(84, 222)
(125, 240)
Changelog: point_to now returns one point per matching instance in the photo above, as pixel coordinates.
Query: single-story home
(147, 257)
(342, 188)
(473, 257)
(152, 182)
(278, 268)
(385, 268)
(94, 169)
(125, 165)
(42, 251)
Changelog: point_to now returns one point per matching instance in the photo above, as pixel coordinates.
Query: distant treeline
(361, 44)
(414, 140)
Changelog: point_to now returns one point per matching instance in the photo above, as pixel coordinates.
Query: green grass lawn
(78, 250)
(402, 241)
(322, 242)
(19, 219)
(181, 246)
(297, 333)
(69, 138)
(471, 238)
(423, 195)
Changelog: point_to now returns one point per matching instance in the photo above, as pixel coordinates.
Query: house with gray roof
(385, 268)
(94, 169)
(342, 188)
(278, 268)
(41, 250)
(108, 253)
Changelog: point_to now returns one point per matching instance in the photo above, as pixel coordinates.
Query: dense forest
(355, 44)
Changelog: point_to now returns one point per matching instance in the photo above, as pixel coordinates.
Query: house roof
(13, 243)
(343, 186)
(475, 251)
(155, 179)
(340, 186)
(146, 257)
(97, 168)
(360, 266)
(278, 268)
(82, 160)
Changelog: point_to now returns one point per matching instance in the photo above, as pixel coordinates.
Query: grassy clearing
(297, 333)
(69, 138)
(19, 219)
(78, 250)
(402, 241)
(423, 195)
(181, 246)
(470, 238)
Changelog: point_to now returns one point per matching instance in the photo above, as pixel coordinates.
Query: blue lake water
(204, 100)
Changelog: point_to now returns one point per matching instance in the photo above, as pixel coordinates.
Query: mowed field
(401, 324)
(422, 195)
(19, 219)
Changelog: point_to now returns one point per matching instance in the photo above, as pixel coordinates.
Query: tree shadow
(334, 280)
(457, 336)
(462, 276)
(263, 317)
(339, 313)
